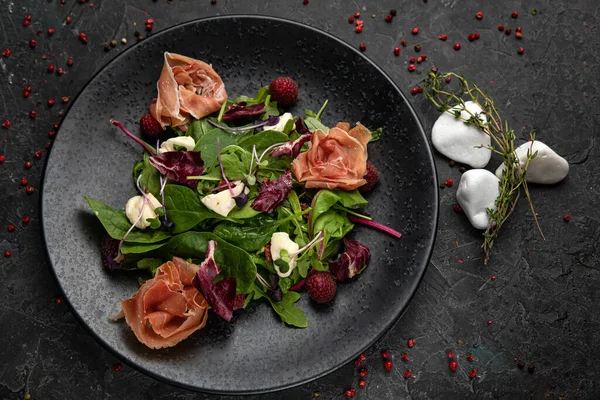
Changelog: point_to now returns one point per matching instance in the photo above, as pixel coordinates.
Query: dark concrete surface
(543, 302)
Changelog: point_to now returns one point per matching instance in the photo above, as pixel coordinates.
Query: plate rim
(388, 326)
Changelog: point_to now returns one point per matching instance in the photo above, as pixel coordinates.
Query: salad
(239, 201)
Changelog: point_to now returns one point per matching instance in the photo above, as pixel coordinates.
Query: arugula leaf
(117, 225)
(184, 208)
(260, 97)
(288, 312)
(313, 123)
(271, 108)
(233, 261)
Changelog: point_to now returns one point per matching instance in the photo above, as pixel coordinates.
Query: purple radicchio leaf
(272, 194)
(221, 295)
(240, 111)
(351, 262)
(112, 258)
(178, 165)
(291, 148)
(301, 128)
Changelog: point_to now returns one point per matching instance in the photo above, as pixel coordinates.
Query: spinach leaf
(251, 236)
(245, 212)
(184, 208)
(323, 201)
(233, 261)
(117, 225)
(198, 128)
(351, 199)
(236, 162)
(139, 248)
(207, 145)
(151, 264)
(333, 222)
(262, 140)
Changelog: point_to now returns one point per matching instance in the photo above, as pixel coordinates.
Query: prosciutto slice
(166, 309)
(336, 159)
(186, 87)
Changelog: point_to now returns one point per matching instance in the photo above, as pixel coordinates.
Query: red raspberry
(284, 91)
(321, 287)
(150, 126)
(371, 176)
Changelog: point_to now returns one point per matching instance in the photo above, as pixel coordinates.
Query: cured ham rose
(166, 309)
(186, 87)
(336, 159)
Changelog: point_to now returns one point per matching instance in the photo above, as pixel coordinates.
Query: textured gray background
(543, 303)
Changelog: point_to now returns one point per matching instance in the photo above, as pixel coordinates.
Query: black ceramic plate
(255, 352)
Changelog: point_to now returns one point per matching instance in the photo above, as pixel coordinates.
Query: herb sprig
(513, 177)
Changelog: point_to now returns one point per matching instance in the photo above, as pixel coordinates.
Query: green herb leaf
(376, 135)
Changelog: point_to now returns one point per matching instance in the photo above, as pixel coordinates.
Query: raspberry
(371, 176)
(150, 126)
(321, 287)
(284, 91)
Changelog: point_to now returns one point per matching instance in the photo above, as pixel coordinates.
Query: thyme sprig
(502, 138)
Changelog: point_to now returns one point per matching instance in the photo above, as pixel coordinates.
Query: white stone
(184, 141)
(280, 126)
(547, 167)
(478, 191)
(223, 202)
(460, 142)
(134, 207)
(281, 241)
